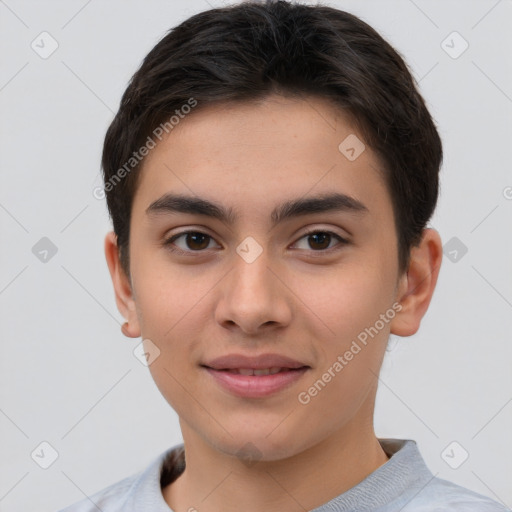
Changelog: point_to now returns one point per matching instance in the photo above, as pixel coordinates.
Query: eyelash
(169, 242)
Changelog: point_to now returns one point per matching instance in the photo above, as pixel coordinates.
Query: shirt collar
(405, 469)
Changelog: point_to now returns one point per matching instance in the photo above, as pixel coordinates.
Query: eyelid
(311, 231)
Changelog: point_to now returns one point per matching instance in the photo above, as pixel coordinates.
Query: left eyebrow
(334, 202)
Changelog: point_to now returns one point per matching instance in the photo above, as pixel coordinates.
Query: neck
(214, 481)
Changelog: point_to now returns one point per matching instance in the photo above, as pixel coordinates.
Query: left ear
(417, 285)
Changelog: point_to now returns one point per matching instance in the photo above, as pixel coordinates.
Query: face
(305, 285)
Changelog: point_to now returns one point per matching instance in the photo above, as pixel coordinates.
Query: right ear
(122, 286)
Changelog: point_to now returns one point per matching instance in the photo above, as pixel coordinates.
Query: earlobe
(122, 288)
(417, 285)
(128, 332)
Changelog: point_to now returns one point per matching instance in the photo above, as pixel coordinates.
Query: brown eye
(319, 241)
(195, 241)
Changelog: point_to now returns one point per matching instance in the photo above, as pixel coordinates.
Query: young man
(270, 174)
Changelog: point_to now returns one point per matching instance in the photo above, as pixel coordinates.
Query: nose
(254, 297)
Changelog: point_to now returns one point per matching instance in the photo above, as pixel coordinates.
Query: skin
(295, 299)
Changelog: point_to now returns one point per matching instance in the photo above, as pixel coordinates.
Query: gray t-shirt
(403, 483)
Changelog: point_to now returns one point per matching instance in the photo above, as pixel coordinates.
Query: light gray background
(69, 377)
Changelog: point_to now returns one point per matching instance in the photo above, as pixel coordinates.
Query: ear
(417, 285)
(122, 286)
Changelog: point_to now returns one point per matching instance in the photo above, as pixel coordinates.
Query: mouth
(262, 382)
(249, 376)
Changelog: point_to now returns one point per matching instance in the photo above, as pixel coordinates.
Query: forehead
(251, 156)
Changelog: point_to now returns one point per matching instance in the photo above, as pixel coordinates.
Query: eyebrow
(333, 202)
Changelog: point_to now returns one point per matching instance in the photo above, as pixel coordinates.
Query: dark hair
(248, 51)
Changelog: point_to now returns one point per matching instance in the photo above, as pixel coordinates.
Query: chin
(259, 447)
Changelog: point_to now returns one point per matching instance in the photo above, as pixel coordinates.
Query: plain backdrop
(69, 378)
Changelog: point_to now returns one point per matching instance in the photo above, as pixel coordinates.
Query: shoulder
(444, 496)
(135, 492)
(416, 489)
(109, 499)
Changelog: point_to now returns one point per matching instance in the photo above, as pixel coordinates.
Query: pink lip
(256, 386)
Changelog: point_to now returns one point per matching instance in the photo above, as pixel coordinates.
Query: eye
(319, 241)
(197, 241)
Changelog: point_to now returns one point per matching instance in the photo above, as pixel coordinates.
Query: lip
(256, 386)
(235, 361)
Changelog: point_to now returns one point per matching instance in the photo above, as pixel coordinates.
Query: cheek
(346, 299)
(171, 306)
(352, 356)
(168, 294)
